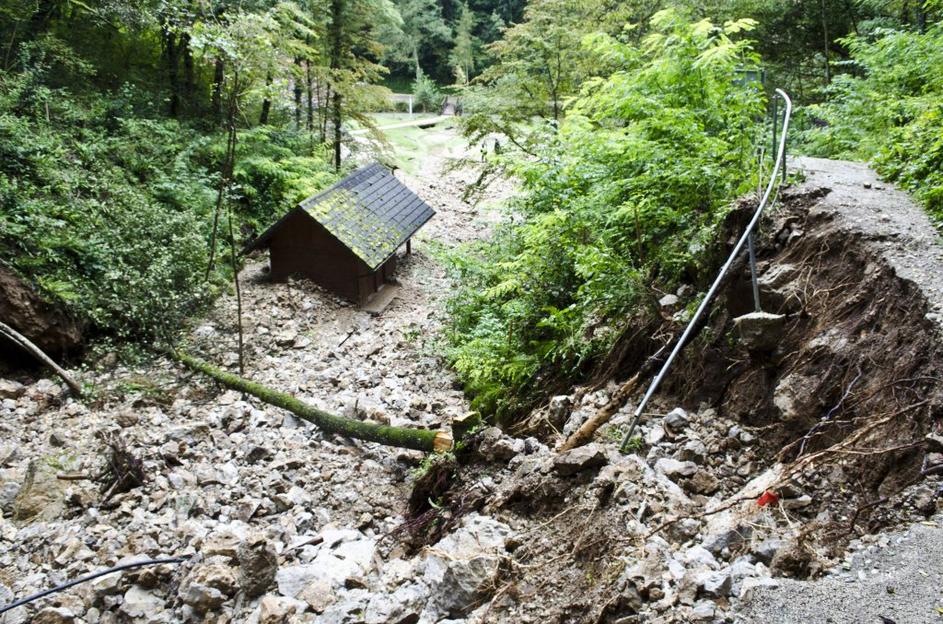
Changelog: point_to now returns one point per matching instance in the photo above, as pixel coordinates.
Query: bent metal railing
(745, 240)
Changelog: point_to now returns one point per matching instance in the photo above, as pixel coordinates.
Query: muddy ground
(833, 430)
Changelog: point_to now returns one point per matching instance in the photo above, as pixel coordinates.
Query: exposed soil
(47, 326)
(839, 423)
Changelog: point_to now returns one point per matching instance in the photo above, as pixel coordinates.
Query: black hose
(85, 579)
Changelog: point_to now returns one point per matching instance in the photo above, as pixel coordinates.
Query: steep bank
(838, 424)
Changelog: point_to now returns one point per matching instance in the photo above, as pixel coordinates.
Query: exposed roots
(439, 499)
(123, 470)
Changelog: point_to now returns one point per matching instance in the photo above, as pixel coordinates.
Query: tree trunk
(585, 433)
(337, 29)
(323, 109)
(266, 102)
(825, 41)
(171, 55)
(24, 343)
(217, 101)
(297, 94)
(189, 80)
(400, 437)
(310, 119)
(336, 113)
(231, 160)
(922, 16)
(226, 170)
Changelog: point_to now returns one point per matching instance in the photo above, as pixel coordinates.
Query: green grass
(386, 119)
(412, 145)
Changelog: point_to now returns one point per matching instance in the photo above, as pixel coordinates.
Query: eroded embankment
(836, 424)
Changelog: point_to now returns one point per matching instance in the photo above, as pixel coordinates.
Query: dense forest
(141, 144)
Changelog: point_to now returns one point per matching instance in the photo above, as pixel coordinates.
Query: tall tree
(539, 66)
(421, 30)
(352, 42)
(463, 54)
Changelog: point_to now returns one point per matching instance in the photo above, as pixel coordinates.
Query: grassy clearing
(408, 147)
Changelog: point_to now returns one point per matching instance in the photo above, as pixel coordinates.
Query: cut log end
(443, 442)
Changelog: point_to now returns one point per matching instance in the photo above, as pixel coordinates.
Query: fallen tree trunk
(586, 432)
(25, 344)
(401, 437)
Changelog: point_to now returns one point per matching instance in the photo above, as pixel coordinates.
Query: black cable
(85, 579)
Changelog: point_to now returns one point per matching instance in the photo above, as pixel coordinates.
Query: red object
(767, 498)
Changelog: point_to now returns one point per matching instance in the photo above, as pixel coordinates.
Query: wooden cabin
(346, 237)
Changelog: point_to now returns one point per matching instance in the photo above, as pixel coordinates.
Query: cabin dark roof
(370, 212)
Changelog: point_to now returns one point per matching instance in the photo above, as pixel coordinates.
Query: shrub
(426, 93)
(890, 113)
(620, 201)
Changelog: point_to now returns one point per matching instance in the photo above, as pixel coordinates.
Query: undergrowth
(617, 206)
(107, 207)
(888, 111)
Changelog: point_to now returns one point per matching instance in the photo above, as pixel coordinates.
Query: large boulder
(761, 331)
(464, 565)
(208, 586)
(41, 497)
(258, 564)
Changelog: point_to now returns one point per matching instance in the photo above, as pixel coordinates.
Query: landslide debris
(755, 464)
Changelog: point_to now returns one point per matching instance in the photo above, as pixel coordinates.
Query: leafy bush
(620, 201)
(276, 169)
(426, 93)
(890, 113)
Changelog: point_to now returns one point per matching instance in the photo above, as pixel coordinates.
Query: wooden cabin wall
(304, 247)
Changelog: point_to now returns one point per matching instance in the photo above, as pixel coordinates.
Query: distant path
(887, 218)
(405, 124)
(899, 578)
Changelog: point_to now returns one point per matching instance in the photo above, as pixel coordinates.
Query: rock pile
(280, 523)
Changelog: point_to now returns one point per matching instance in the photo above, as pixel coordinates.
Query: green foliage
(465, 51)
(109, 213)
(426, 93)
(421, 32)
(891, 113)
(275, 168)
(621, 199)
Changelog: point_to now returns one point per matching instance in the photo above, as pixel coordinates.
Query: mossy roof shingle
(370, 212)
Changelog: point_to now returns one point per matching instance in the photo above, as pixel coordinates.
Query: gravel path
(897, 578)
(888, 218)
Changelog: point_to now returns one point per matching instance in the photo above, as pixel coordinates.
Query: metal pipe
(785, 148)
(90, 577)
(756, 287)
(772, 124)
(738, 248)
